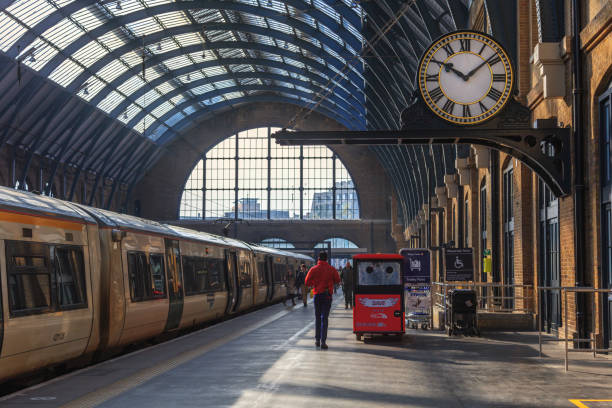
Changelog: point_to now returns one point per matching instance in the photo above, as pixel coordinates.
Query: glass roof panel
(203, 89)
(166, 87)
(127, 7)
(144, 123)
(89, 18)
(132, 84)
(112, 70)
(173, 19)
(148, 98)
(129, 113)
(146, 26)
(162, 109)
(90, 53)
(66, 72)
(42, 54)
(10, 31)
(189, 39)
(94, 86)
(30, 12)
(174, 119)
(113, 39)
(111, 101)
(63, 33)
(177, 100)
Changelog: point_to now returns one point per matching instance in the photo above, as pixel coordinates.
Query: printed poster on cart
(417, 266)
(418, 301)
(377, 313)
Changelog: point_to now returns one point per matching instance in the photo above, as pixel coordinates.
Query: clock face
(465, 77)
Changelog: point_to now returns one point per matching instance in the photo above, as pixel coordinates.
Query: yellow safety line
(97, 397)
(579, 402)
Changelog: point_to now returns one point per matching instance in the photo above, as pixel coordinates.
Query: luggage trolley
(378, 295)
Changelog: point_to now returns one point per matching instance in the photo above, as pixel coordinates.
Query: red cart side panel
(377, 313)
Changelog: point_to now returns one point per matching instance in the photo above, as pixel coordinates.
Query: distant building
(250, 208)
(347, 204)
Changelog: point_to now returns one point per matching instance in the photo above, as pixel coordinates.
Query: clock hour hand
(449, 67)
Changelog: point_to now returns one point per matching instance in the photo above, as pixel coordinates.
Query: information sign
(417, 265)
(459, 264)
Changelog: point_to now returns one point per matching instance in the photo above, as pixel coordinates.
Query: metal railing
(563, 291)
(492, 297)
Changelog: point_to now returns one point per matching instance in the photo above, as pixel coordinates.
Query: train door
(175, 284)
(269, 274)
(231, 269)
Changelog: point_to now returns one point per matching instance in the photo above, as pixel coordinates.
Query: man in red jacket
(322, 277)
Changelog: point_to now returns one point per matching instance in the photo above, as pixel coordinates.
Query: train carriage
(48, 279)
(77, 281)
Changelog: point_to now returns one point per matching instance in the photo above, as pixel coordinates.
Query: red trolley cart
(378, 294)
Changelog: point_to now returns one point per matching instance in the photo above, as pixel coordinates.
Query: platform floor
(268, 359)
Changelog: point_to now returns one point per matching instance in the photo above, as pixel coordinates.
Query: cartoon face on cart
(379, 273)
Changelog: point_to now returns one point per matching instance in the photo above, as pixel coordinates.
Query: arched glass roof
(155, 64)
(104, 85)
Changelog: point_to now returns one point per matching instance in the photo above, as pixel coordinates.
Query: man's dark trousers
(322, 303)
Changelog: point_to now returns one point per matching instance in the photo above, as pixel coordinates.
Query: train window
(245, 275)
(261, 272)
(156, 263)
(280, 273)
(216, 277)
(29, 278)
(70, 277)
(195, 274)
(141, 279)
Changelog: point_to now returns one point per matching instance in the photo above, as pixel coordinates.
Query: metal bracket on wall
(545, 148)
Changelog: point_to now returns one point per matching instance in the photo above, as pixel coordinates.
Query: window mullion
(269, 190)
(236, 179)
(204, 187)
(334, 186)
(301, 182)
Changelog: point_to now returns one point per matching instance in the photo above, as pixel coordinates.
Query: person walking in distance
(322, 277)
(347, 285)
(300, 277)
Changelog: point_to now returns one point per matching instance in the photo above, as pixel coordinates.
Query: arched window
(338, 259)
(277, 243)
(249, 176)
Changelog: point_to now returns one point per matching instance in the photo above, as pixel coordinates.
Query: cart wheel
(359, 336)
(400, 336)
(424, 326)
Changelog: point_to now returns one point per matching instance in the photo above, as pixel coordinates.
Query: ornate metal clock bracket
(545, 148)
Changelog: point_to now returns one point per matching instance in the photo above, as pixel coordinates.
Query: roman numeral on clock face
(494, 94)
(433, 78)
(465, 44)
(483, 108)
(449, 50)
(494, 59)
(482, 49)
(448, 106)
(499, 77)
(466, 111)
(436, 94)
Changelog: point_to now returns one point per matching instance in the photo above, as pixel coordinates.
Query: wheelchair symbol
(458, 263)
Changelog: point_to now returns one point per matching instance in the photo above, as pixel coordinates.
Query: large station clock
(465, 77)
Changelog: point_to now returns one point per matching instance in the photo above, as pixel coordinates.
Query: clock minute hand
(472, 72)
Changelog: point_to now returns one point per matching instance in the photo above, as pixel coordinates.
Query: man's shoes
(305, 305)
(323, 346)
(317, 343)
(345, 307)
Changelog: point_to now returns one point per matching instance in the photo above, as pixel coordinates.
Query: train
(78, 283)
